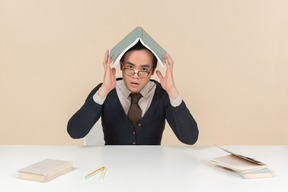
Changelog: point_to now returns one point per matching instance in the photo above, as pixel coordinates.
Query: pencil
(103, 173)
(93, 173)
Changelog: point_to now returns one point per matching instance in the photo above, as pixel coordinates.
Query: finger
(168, 56)
(159, 74)
(169, 62)
(169, 65)
(106, 56)
(107, 60)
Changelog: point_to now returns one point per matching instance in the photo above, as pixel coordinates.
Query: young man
(111, 101)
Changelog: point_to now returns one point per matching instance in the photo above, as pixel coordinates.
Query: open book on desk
(245, 166)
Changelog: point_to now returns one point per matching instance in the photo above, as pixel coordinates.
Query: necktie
(134, 113)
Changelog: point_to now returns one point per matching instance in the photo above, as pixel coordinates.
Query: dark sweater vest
(117, 128)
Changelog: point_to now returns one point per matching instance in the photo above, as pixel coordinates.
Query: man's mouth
(134, 84)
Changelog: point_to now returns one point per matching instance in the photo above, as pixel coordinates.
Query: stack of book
(243, 166)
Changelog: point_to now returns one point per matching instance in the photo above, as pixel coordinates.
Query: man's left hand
(167, 82)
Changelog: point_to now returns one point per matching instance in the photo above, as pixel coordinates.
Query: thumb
(159, 74)
(113, 71)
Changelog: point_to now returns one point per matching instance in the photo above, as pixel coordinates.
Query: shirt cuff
(176, 102)
(99, 100)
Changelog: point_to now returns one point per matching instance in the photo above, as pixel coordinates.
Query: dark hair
(140, 46)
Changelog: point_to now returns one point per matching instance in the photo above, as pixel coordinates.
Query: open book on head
(138, 34)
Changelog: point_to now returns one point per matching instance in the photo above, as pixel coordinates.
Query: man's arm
(109, 81)
(178, 116)
(182, 123)
(83, 120)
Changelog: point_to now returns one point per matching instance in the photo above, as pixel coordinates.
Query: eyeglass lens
(141, 74)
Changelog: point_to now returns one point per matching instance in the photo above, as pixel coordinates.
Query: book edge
(65, 165)
(40, 177)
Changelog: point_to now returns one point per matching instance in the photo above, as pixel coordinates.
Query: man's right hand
(109, 81)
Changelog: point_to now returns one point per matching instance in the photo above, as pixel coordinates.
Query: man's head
(141, 60)
(140, 46)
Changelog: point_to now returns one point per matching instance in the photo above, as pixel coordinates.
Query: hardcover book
(45, 170)
(236, 164)
(242, 165)
(261, 173)
(138, 34)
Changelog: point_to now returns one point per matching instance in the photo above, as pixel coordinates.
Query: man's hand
(109, 81)
(167, 82)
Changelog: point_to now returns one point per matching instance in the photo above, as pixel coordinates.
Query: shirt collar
(145, 91)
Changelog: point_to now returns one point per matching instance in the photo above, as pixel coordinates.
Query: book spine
(139, 33)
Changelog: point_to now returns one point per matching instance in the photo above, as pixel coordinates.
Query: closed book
(236, 164)
(45, 170)
(261, 173)
(138, 34)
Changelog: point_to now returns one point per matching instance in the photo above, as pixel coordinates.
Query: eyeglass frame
(136, 71)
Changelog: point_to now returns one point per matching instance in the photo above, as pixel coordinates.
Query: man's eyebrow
(145, 66)
(129, 63)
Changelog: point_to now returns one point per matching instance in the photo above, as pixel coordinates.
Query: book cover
(235, 163)
(243, 157)
(138, 34)
(45, 170)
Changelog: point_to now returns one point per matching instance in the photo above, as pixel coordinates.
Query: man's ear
(121, 65)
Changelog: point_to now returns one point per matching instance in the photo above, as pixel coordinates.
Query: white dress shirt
(147, 92)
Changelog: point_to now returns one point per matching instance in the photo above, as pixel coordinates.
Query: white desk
(143, 168)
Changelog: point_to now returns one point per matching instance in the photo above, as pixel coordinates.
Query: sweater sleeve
(83, 120)
(182, 123)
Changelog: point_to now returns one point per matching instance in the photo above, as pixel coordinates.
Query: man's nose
(136, 74)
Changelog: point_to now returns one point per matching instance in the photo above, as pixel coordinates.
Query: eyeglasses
(131, 72)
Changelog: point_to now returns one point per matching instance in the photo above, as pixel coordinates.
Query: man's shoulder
(156, 82)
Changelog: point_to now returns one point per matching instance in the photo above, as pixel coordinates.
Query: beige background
(230, 64)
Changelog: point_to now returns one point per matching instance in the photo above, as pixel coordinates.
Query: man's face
(140, 60)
